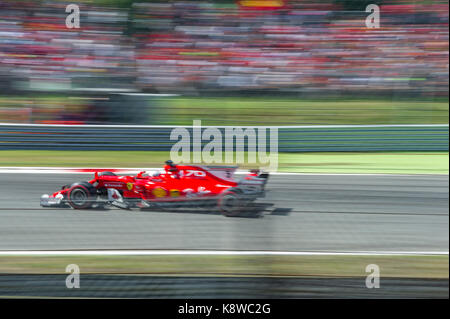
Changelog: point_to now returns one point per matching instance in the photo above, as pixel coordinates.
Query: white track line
(223, 126)
(212, 253)
(131, 171)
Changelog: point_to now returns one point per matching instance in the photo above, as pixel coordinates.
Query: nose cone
(44, 200)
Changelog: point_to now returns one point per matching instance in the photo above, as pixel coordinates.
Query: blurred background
(168, 62)
(364, 112)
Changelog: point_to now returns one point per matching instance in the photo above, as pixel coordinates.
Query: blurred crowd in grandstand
(221, 46)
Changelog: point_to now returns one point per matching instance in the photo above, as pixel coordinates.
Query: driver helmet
(170, 163)
(173, 167)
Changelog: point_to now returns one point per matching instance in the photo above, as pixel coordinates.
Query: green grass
(387, 163)
(380, 163)
(390, 266)
(288, 111)
(259, 110)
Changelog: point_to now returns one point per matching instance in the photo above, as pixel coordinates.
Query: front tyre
(81, 195)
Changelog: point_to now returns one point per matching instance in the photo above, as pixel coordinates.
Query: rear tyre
(81, 195)
(230, 203)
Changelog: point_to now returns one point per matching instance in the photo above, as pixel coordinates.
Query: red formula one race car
(178, 186)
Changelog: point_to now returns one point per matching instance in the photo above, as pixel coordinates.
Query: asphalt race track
(309, 213)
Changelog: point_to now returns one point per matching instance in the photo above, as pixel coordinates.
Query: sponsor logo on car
(193, 174)
(200, 191)
(113, 184)
(174, 192)
(159, 192)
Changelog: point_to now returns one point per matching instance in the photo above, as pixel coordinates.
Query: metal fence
(329, 138)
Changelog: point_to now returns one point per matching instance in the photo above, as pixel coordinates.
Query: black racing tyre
(230, 203)
(106, 174)
(81, 195)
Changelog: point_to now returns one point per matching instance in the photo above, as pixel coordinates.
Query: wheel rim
(78, 197)
(229, 203)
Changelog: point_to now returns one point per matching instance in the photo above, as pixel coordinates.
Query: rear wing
(255, 178)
